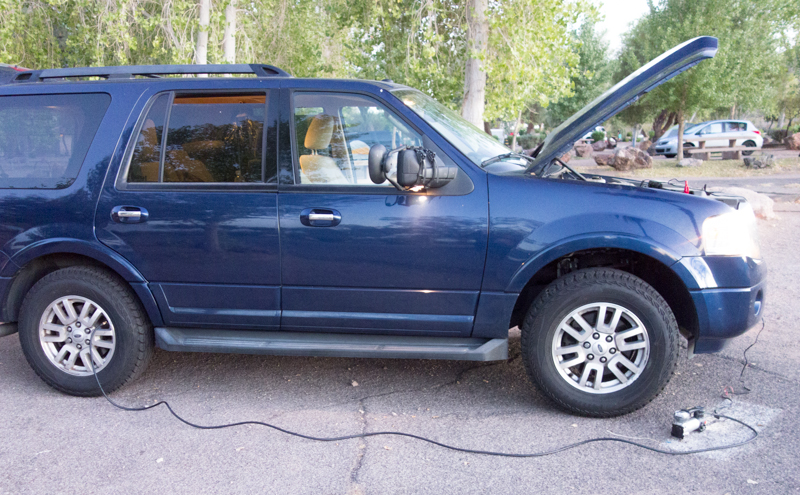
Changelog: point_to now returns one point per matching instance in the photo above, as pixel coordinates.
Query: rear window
(44, 138)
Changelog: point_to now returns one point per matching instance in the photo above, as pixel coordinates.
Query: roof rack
(153, 71)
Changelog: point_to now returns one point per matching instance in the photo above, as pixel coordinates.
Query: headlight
(732, 234)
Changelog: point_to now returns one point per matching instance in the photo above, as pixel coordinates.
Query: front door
(194, 208)
(364, 258)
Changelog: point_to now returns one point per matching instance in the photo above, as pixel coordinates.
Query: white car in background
(744, 131)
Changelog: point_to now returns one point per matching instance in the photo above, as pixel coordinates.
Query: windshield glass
(473, 142)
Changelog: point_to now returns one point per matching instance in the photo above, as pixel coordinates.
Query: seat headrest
(318, 136)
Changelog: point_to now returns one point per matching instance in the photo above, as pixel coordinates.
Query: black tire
(596, 285)
(671, 155)
(687, 145)
(750, 144)
(134, 338)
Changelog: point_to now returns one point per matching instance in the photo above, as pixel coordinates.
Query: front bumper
(734, 303)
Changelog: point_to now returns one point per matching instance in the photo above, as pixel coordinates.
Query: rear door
(364, 258)
(194, 206)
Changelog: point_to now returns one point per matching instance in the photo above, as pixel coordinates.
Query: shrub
(598, 136)
(652, 135)
(527, 141)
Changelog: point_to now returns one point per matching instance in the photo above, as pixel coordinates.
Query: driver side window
(333, 135)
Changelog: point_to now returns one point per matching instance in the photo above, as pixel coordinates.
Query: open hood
(624, 93)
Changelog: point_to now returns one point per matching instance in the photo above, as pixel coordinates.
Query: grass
(709, 168)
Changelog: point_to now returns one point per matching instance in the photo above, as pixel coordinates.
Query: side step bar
(330, 345)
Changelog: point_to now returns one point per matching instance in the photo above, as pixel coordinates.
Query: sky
(618, 14)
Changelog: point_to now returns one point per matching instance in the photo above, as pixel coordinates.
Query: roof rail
(154, 71)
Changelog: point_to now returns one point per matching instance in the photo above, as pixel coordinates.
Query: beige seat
(320, 169)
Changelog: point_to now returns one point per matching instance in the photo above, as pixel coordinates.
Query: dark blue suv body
(244, 215)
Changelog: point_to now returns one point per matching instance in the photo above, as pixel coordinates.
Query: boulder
(566, 157)
(760, 160)
(583, 150)
(690, 162)
(761, 203)
(604, 159)
(599, 146)
(793, 142)
(767, 139)
(631, 158)
(644, 145)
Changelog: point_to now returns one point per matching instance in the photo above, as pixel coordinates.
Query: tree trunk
(201, 53)
(680, 134)
(474, 76)
(635, 132)
(781, 119)
(487, 127)
(733, 111)
(516, 131)
(229, 38)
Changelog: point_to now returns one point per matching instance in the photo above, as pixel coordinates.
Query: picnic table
(704, 152)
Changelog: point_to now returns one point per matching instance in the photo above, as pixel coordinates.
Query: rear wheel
(750, 144)
(600, 342)
(81, 317)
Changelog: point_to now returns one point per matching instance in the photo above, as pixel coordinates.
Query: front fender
(59, 245)
(649, 248)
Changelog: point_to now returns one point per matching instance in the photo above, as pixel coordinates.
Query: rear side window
(44, 138)
(210, 138)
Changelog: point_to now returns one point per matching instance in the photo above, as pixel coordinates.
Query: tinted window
(44, 139)
(715, 128)
(334, 133)
(735, 126)
(210, 139)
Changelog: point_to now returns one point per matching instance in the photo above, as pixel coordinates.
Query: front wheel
(82, 320)
(600, 342)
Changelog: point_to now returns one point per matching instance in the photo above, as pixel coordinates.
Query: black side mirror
(416, 167)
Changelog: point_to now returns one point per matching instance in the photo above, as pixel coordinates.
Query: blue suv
(275, 215)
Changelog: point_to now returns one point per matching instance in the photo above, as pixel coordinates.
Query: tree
(474, 72)
(592, 75)
(746, 30)
(229, 38)
(204, 16)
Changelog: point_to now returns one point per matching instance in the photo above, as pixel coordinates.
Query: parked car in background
(721, 132)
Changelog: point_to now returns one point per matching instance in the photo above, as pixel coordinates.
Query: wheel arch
(652, 266)
(38, 260)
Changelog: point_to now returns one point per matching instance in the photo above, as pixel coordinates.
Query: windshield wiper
(497, 158)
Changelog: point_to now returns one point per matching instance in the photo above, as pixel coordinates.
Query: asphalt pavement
(53, 443)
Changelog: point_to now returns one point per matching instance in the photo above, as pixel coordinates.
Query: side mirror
(416, 167)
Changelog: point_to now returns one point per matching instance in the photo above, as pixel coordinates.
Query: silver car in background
(744, 131)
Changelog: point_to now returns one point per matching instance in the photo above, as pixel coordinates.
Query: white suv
(744, 131)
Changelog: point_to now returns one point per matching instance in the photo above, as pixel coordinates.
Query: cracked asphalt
(53, 443)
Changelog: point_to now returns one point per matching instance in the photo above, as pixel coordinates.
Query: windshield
(473, 142)
(673, 131)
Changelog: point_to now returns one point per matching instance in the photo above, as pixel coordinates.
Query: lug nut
(586, 345)
(603, 359)
(69, 329)
(78, 324)
(79, 346)
(69, 341)
(87, 330)
(596, 336)
(87, 341)
(609, 338)
(612, 350)
(590, 357)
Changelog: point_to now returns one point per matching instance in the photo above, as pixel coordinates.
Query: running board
(330, 344)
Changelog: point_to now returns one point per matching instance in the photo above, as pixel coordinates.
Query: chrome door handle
(320, 217)
(129, 214)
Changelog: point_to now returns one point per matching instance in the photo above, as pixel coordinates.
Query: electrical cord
(424, 439)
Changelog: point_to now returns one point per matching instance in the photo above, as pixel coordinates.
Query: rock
(761, 203)
(767, 139)
(631, 158)
(604, 159)
(690, 162)
(583, 150)
(651, 151)
(599, 146)
(793, 142)
(644, 145)
(761, 160)
(566, 157)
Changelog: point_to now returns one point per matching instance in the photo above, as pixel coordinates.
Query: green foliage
(598, 136)
(651, 134)
(592, 75)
